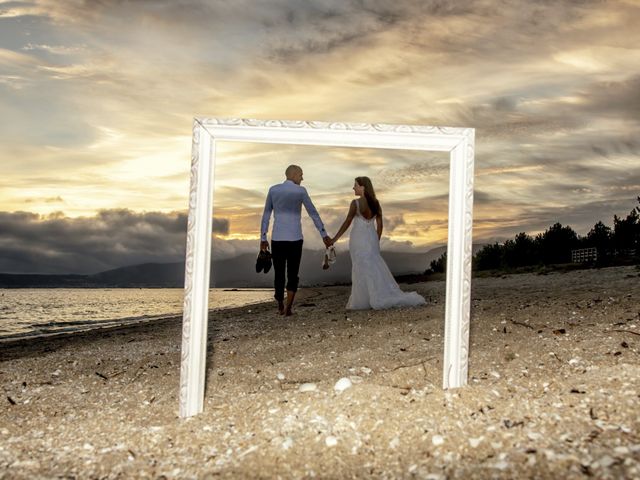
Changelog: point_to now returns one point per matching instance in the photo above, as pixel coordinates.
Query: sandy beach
(554, 390)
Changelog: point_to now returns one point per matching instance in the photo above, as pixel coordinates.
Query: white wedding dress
(372, 284)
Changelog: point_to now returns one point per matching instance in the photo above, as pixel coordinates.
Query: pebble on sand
(287, 444)
(474, 442)
(307, 387)
(342, 384)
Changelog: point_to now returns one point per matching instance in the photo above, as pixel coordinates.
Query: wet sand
(554, 390)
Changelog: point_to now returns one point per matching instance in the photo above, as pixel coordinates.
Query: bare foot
(290, 297)
(280, 307)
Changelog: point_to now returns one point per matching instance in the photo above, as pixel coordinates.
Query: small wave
(85, 327)
(79, 314)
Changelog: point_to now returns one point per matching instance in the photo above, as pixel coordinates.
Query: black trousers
(286, 257)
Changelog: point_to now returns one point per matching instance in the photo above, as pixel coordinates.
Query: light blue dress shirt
(285, 200)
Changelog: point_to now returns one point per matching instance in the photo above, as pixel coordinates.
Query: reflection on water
(45, 310)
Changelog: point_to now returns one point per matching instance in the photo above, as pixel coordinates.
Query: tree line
(554, 246)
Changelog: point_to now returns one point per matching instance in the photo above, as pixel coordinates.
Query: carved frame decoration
(459, 142)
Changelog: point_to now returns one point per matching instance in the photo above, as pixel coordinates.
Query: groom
(286, 200)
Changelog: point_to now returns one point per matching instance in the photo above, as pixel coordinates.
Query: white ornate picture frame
(459, 142)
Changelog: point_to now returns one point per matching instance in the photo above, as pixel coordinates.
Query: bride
(372, 285)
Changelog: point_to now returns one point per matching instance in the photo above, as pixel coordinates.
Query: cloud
(241, 197)
(31, 243)
(97, 100)
(55, 243)
(580, 217)
(388, 245)
(56, 199)
(612, 98)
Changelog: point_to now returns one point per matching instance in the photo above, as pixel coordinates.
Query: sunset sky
(97, 99)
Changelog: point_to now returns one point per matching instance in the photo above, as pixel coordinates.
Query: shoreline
(107, 325)
(70, 327)
(407, 278)
(131, 322)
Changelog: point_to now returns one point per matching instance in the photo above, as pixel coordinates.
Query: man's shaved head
(291, 171)
(294, 173)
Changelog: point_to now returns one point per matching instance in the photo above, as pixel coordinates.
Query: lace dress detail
(372, 284)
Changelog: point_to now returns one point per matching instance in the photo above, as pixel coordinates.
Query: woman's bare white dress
(372, 284)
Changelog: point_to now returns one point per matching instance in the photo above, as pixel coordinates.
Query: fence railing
(584, 255)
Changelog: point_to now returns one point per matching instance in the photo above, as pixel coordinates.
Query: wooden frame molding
(459, 142)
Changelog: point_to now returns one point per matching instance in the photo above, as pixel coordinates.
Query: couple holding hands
(372, 284)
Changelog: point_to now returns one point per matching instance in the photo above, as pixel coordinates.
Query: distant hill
(145, 274)
(12, 280)
(237, 272)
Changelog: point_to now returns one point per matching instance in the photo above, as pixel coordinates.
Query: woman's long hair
(369, 194)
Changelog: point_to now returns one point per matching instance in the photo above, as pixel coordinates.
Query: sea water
(40, 311)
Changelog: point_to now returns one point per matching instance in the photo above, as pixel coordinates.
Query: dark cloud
(279, 30)
(483, 198)
(602, 158)
(392, 222)
(620, 99)
(31, 243)
(503, 119)
(508, 117)
(320, 27)
(56, 199)
(580, 217)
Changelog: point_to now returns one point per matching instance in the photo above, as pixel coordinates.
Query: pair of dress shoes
(329, 257)
(263, 262)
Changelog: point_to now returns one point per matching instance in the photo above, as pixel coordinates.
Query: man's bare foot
(280, 306)
(290, 296)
